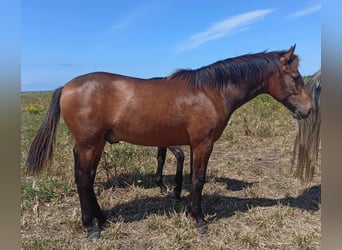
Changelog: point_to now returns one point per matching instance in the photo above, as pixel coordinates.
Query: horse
(307, 141)
(178, 153)
(188, 107)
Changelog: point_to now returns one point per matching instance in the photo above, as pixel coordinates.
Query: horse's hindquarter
(153, 112)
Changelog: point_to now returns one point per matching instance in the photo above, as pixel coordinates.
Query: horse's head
(288, 86)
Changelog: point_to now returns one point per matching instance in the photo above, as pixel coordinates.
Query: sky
(153, 38)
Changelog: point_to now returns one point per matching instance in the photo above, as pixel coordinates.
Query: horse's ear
(288, 55)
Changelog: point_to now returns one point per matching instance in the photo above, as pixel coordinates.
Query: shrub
(35, 108)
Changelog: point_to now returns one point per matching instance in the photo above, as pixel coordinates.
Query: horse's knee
(198, 183)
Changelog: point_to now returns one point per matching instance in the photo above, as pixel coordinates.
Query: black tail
(41, 149)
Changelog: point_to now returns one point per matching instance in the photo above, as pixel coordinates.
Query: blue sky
(148, 38)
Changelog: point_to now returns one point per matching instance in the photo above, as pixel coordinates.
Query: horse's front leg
(201, 154)
(86, 160)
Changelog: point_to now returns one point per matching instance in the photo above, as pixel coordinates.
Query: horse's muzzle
(301, 115)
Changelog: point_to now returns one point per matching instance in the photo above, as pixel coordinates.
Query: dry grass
(250, 199)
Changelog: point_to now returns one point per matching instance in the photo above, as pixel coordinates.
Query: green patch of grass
(276, 185)
(180, 220)
(74, 225)
(304, 241)
(278, 217)
(264, 132)
(177, 222)
(124, 163)
(258, 171)
(125, 157)
(257, 118)
(251, 240)
(155, 222)
(45, 190)
(237, 234)
(252, 191)
(42, 243)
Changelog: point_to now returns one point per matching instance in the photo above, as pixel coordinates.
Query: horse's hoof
(202, 227)
(94, 236)
(94, 231)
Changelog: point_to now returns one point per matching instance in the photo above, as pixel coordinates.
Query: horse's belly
(151, 137)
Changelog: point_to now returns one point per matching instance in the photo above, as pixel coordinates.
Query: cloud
(307, 11)
(135, 15)
(221, 29)
(127, 20)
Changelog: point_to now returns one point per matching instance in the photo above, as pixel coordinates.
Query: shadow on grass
(221, 206)
(233, 184)
(309, 200)
(148, 181)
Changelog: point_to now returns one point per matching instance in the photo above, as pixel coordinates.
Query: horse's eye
(295, 77)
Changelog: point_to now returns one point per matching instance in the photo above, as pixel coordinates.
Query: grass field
(251, 199)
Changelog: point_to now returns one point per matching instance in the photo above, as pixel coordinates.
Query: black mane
(233, 70)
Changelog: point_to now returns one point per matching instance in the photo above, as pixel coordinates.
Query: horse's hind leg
(179, 172)
(86, 161)
(159, 174)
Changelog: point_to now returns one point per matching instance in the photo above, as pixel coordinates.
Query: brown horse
(190, 107)
(178, 153)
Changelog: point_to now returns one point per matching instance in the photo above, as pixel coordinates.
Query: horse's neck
(237, 95)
